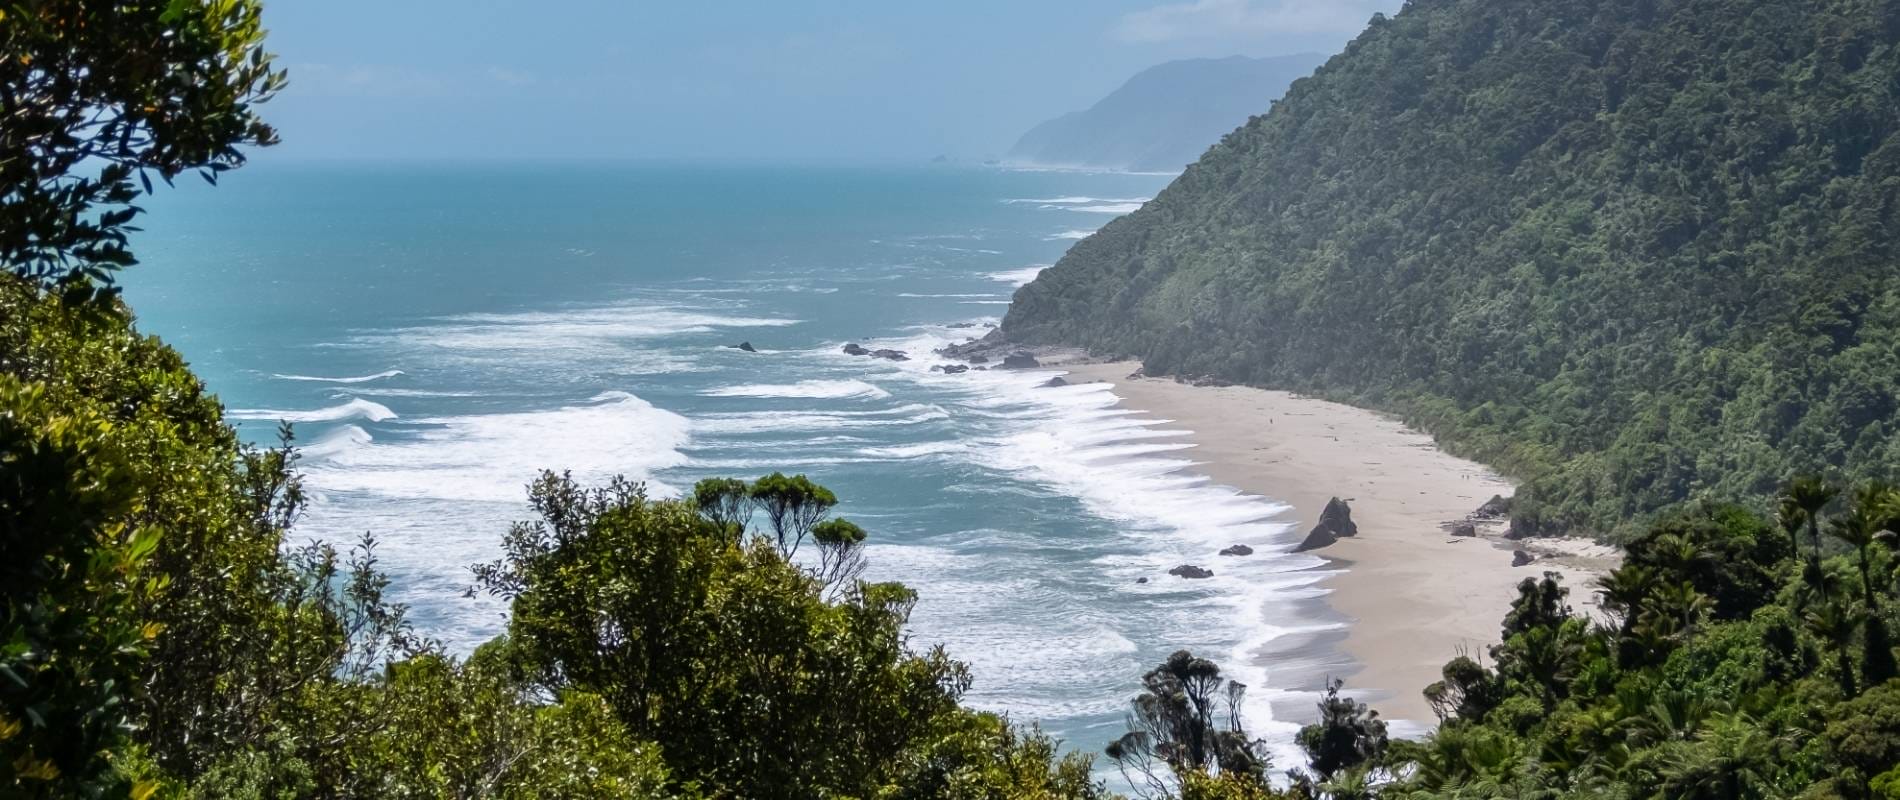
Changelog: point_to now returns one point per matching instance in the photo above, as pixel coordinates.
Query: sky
(853, 80)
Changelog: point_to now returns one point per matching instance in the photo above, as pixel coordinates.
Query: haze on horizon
(852, 80)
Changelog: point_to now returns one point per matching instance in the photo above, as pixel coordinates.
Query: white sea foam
(1071, 236)
(355, 408)
(536, 329)
(1123, 467)
(1018, 277)
(388, 373)
(749, 422)
(983, 302)
(335, 441)
(1078, 200)
(491, 457)
(914, 294)
(1108, 208)
(815, 389)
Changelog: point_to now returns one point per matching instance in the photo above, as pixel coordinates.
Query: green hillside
(1631, 251)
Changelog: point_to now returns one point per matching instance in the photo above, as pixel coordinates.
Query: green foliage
(1186, 733)
(1723, 671)
(1347, 736)
(71, 573)
(1633, 251)
(734, 659)
(127, 89)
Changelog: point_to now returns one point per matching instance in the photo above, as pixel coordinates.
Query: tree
(1187, 722)
(721, 650)
(1810, 495)
(1347, 737)
(71, 570)
(128, 89)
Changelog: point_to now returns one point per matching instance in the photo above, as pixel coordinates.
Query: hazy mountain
(1166, 116)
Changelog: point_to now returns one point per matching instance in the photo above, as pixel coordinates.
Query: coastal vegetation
(164, 634)
(1632, 252)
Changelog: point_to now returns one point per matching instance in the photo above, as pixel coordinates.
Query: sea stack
(1335, 523)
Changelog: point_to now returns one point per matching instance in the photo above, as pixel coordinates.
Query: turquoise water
(440, 333)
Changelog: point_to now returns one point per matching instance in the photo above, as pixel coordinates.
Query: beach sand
(1412, 595)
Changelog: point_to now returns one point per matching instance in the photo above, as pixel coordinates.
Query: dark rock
(1138, 374)
(1237, 550)
(936, 368)
(1191, 571)
(1335, 523)
(1053, 382)
(979, 359)
(950, 369)
(1498, 507)
(1020, 360)
(962, 324)
(746, 346)
(1518, 530)
(1464, 529)
(1520, 558)
(1141, 580)
(890, 355)
(852, 349)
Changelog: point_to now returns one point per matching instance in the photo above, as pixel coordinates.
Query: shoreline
(1406, 595)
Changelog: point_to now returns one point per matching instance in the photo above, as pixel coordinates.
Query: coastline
(1411, 595)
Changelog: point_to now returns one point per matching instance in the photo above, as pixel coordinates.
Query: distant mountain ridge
(1165, 116)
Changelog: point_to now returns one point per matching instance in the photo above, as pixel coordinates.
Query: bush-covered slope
(1633, 251)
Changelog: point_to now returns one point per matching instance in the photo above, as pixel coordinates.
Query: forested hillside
(1165, 116)
(1632, 251)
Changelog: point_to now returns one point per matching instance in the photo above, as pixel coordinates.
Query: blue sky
(723, 79)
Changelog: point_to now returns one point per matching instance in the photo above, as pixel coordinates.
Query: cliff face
(1166, 116)
(1635, 251)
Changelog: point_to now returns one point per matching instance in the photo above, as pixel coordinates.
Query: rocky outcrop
(1237, 550)
(951, 369)
(1464, 529)
(1053, 383)
(890, 355)
(852, 349)
(1020, 360)
(1335, 523)
(1192, 572)
(1498, 507)
(1520, 558)
(746, 346)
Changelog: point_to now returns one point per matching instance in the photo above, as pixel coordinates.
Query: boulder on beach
(1192, 572)
(1020, 360)
(1053, 383)
(852, 349)
(1520, 558)
(1237, 550)
(746, 346)
(1498, 507)
(1464, 529)
(1335, 523)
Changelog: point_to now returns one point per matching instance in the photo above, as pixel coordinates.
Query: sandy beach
(1413, 596)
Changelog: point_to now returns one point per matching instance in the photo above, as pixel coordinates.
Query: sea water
(439, 333)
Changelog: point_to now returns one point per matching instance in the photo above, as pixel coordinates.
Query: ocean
(439, 333)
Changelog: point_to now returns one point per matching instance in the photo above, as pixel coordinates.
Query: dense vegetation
(162, 634)
(1631, 251)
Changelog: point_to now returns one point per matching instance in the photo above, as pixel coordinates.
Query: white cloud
(510, 77)
(1226, 18)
